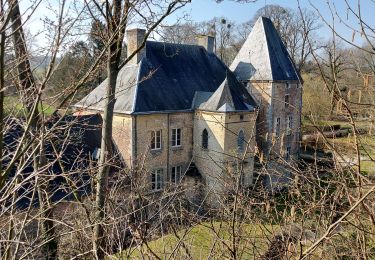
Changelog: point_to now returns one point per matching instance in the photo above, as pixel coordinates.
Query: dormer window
(205, 139)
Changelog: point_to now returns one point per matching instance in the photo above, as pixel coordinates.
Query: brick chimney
(135, 38)
(207, 41)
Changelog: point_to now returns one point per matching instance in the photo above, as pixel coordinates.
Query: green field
(13, 106)
(207, 240)
(346, 145)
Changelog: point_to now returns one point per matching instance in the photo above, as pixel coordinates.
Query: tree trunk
(2, 86)
(114, 55)
(29, 96)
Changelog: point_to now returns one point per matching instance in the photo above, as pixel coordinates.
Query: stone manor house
(179, 107)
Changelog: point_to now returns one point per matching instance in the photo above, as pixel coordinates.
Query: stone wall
(122, 136)
(283, 111)
(222, 155)
(168, 156)
(209, 161)
(235, 122)
(270, 97)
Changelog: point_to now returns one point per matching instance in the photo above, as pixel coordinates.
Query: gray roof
(227, 99)
(127, 81)
(264, 56)
(200, 97)
(166, 79)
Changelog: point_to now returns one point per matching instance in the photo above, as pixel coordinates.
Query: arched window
(241, 140)
(205, 139)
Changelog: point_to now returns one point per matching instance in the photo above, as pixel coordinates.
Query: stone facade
(167, 156)
(132, 136)
(223, 156)
(279, 102)
(122, 136)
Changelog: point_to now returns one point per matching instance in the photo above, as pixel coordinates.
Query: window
(176, 174)
(240, 140)
(286, 100)
(157, 179)
(289, 125)
(277, 127)
(205, 139)
(287, 155)
(287, 85)
(241, 117)
(156, 140)
(176, 137)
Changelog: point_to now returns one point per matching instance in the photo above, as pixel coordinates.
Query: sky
(202, 10)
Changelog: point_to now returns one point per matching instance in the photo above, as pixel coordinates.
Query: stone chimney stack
(135, 38)
(207, 41)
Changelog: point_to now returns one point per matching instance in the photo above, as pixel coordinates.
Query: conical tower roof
(263, 56)
(225, 98)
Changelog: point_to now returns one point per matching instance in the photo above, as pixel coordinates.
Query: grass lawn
(368, 167)
(346, 146)
(201, 241)
(13, 106)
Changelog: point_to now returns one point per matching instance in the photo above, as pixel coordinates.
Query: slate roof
(200, 97)
(227, 99)
(165, 80)
(263, 56)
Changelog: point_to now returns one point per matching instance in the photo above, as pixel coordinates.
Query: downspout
(134, 130)
(168, 146)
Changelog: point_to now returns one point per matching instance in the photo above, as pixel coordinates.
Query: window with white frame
(176, 137)
(289, 125)
(241, 141)
(156, 140)
(287, 154)
(157, 179)
(176, 174)
(277, 127)
(287, 85)
(287, 101)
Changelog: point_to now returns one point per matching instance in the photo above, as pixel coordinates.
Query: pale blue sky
(200, 10)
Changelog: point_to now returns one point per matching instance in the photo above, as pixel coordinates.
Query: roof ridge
(262, 18)
(136, 84)
(178, 44)
(225, 95)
